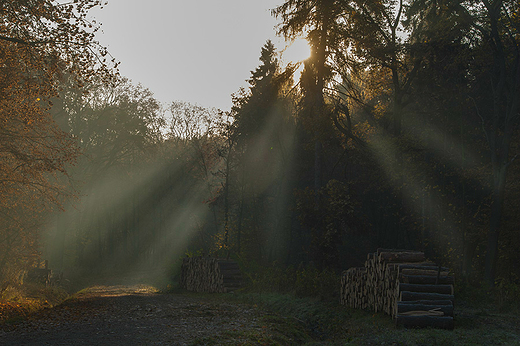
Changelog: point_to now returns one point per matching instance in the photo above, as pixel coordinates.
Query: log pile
(40, 275)
(354, 288)
(404, 285)
(212, 275)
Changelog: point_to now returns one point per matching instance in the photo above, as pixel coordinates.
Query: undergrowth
(328, 323)
(302, 281)
(18, 302)
(307, 300)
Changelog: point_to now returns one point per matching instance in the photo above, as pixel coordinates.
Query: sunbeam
(421, 195)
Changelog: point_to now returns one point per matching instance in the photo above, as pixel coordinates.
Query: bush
(504, 297)
(304, 281)
(17, 302)
(507, 295)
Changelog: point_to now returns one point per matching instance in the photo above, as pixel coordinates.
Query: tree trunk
(318, 153)
(506, 88)
(319, 104)
(499, 183)
(226, 195)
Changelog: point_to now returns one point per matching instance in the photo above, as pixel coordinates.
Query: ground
(139, 315)
(133, 315)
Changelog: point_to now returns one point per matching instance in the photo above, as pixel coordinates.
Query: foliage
(257, 177)
(328, 222)
(389, 110)
(388, 139)
(303, 281)
(118, 127)
(18, 302)
(40, 42)
(329, 324)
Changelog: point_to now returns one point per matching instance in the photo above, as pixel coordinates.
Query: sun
(297, 51)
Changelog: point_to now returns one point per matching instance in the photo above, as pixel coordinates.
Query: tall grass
(302, 281)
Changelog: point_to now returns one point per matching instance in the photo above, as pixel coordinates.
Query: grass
(292, 320)
(310, 321)
(17, 303)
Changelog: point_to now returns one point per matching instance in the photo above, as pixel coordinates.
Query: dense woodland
(399, 132)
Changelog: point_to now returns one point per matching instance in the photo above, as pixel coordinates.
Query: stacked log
(212, 275)
(403, 284)
(40, 275)
(355, 280)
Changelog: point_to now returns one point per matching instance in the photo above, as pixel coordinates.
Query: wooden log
(442, 322)
(377, 286)
(410, 296)
(206, 274)
(421, 265)
(427, 279)
(442, 289)
(447, 310)
(427, 302)
(232, 282)
(432, 272)
(401, 256)
(379, 250)
(230, 271)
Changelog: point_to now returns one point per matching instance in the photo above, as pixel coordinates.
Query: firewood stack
(401, 283)
(354, 288)
(212, 275)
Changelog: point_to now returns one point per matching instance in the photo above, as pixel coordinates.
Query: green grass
(17, 303)
(310, 321)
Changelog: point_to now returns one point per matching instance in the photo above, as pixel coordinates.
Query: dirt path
(133, 315)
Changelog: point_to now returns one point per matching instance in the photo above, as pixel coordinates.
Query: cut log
(435, 312)
(442, 289)
(391, 275)
(426, 279)
(230, 271)
(427, 302)
(410, 296)
(447, 310)
(442, 322)
(422, 265)
(402, 256)
(432, 272)
(379, 250)
(206, 274)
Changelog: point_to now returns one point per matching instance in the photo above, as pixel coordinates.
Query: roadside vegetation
(18, 302)
(400, 132)
(300, 311)
(294, 320)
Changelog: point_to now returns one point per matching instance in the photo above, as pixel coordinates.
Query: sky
(199, 51)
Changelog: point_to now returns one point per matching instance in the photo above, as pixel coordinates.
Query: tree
(51, 31)
(490, 32)
(376, 31)
(203, 136)
(264, 145)
(39, 42)
(317, 19)
(498, 26)
(118, 128)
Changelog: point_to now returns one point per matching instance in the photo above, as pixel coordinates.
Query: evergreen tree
(263, 150)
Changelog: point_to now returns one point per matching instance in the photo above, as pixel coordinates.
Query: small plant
(304, 281)
(507, 295)
(18, 302)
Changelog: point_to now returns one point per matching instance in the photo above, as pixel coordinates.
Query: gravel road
(132, 315)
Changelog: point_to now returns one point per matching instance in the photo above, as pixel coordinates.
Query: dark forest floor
(139, 315)
(132, 315)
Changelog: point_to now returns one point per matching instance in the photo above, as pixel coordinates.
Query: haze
(196, 51)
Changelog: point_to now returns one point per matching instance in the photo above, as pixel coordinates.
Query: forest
(400, 131)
